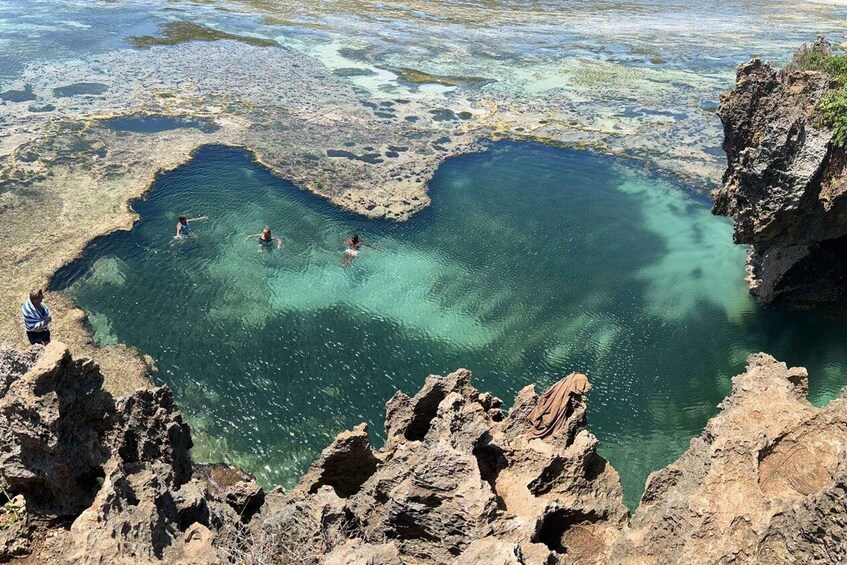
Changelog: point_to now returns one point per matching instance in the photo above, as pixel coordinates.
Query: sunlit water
(531, 262)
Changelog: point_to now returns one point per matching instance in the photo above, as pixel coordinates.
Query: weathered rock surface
(53, 425)
(785, 182)
(455, 479)
(764, 483)
(93, 480)
(117, 472)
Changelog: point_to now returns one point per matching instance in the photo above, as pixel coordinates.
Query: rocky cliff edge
(786, 181)
(90, 479)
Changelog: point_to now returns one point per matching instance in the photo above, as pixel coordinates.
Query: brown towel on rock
(556, 404)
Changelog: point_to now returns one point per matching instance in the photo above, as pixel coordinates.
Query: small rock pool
(155, 123)
(531, 262)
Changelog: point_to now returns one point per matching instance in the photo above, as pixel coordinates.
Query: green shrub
(833, 111)
(833, 65)
(832, 107)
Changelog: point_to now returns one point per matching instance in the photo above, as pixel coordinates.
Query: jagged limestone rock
(53, 425)
(764, 483)
(456, 482)
(455, 471)
(785, 182)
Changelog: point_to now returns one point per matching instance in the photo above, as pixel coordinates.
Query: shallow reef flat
(358, 102)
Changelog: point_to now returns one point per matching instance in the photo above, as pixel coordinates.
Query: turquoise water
(531, 262)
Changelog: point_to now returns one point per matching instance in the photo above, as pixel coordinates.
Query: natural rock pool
(154, 123)
(531, 262)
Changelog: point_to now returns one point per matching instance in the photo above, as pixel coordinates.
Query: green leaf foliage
(833, 111)
(832, 108)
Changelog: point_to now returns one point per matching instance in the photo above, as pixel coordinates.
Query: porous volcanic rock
(53, 425)
(93, 480)
(764, 482)
(785, 182)
(455, 478)
(117, 472)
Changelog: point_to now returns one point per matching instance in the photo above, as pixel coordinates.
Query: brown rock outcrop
(785, 182)
(53, 425)
(764, 483)
(456, 479)
(118, 472)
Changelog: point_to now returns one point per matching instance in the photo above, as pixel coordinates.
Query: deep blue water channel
(531, 262)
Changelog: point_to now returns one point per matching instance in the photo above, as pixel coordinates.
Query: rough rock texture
(764, 483)
(117, 473)
(785, 182)
(87, 479)
(455, 480)
(53, 426)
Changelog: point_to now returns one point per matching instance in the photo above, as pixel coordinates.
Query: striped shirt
(35, 320)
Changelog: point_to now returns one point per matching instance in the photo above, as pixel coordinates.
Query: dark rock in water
(785, 184)
(40, 109)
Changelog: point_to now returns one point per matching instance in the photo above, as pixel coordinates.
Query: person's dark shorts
(39, 337)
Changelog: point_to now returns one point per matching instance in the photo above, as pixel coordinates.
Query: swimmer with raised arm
(183, 229)
(352, 251)
(266, 240)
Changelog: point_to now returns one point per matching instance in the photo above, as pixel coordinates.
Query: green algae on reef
(173, 33)
(420, 77)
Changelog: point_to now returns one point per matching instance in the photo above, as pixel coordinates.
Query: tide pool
(532, 262)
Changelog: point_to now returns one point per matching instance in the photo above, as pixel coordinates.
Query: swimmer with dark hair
(352, 251)
(183, 229)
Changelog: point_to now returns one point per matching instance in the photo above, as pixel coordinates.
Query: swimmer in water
(352, 251)
(183, 229)
(266, 240)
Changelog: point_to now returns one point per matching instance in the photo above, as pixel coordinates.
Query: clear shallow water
(154, 123)
(532, 262)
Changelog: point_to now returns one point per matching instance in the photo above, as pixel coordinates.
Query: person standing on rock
(37, 318)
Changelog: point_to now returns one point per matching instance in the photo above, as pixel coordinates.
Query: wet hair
(182, 219)
(266, 229)
(355, 238)
(35, 294)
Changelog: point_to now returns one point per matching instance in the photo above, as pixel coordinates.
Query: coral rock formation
(764, 483)
(785, 182)
(87, 479)
(456, 478)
